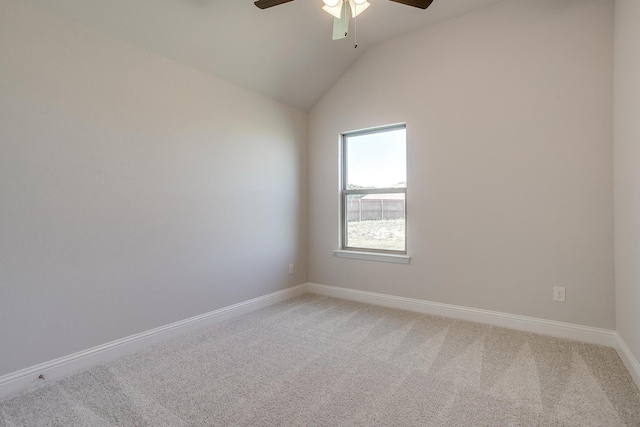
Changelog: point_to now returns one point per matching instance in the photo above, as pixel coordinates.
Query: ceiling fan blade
(422, 4)
(263, 4)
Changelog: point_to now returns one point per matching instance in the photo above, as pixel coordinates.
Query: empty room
(319, 213)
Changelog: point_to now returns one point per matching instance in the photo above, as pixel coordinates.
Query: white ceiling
(284, 52)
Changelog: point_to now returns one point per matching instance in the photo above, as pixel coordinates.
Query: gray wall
(510, 169)
(112, 165)
(627, 172)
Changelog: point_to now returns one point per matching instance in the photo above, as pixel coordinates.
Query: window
(374, 190)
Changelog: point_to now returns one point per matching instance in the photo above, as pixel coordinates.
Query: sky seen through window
(377, 160)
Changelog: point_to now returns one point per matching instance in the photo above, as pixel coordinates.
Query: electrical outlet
(559, 294)
(290, 268)
(40, 381)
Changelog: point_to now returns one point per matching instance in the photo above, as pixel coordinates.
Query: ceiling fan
(340, 10)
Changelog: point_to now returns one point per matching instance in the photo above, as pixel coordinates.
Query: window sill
(373, 256)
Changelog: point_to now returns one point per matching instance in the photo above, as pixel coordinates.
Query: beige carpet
(316, 361)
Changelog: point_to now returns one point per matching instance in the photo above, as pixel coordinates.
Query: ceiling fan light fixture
(334, 10)
(357, 9)
(356, 6)
(339, 9)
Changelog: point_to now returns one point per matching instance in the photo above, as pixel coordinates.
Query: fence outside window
(369, 208)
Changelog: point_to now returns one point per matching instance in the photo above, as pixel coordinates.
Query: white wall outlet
(40, 381)
(290, 268)
(559, 294)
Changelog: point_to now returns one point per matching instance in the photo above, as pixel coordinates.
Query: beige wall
(113, 165)
(509, 129)
(113, 162)
(627, 172)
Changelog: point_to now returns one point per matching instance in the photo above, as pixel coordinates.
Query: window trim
(373, 256)
(367, 253)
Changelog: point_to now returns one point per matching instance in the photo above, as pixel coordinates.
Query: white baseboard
(512, 321)
(28, 378)
(632, 364)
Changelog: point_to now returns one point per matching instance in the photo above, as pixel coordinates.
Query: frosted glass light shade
(357, 9)
(335, 10)
(332, 3)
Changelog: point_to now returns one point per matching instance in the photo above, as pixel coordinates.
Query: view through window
(374, 192)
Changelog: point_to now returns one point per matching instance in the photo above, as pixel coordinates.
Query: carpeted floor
(316, 361)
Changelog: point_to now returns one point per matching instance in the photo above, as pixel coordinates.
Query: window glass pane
(375, 221)
(376, 160)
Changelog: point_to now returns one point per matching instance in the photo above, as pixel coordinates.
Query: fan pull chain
(355, 29)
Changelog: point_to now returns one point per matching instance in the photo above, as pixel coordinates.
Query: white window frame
(370, 254)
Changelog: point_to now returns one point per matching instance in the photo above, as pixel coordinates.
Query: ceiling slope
(284, 52)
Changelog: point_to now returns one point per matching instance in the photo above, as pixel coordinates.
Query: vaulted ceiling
(284, 52)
